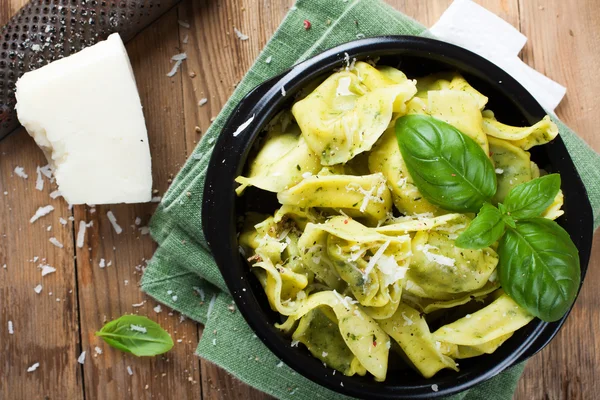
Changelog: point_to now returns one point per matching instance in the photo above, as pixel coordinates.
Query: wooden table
(53, 327)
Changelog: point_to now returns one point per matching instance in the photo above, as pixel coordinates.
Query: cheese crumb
(437, 258)
(211, 305)
(283, 92)
(499, 171)
(138, 221)
(202, 101)
(294, 343)
(407, 320)
(183, 24)
(38, 289)
(11, 330)
(81, 358)
(33, 367)
(98, 350)
(434, 387)
(20, 172)
(81, 234)
(280, 364)
(47, 269)
(268, 60)
(129, 370)
(157, 309)
(113, 222)
(240, 35)
(343, 87)
(55, 242)
(41, 212)
(243, 126)
(62, 221)
(102, 263)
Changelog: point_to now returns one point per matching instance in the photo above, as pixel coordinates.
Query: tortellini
(343, 117)
(355, 260)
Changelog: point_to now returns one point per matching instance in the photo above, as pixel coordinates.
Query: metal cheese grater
(47, 30)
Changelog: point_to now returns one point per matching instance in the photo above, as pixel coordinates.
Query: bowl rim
(229, 158)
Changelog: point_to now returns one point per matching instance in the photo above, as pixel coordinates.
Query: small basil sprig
(137, 335)
(448, 167)
(538, 262)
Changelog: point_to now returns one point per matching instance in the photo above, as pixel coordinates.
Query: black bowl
(415, 56)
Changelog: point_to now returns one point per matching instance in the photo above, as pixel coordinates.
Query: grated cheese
(102, 263)
(129, 370)
(81, 358)
(113, 222)
(268, 60)
(144, 230)
(202, 101)
(33, 367)
(62, 221)
(47, 269)
(324, 354)
(139, 304)
(156, 199)
(46, 170)
(186, 39)
(243, 126)
(55, 242)
(499, 171)
(11, 330)
(434, 387)
(138, 221)
(280, 364)
(283, 93)
(294, 343)
(38, 289)
(373, 261)
(41, 212)
(81, 234)
(157, 309)
(98, 350)
(183, 24)
(240, 35)
(39, 182)
(138, 328)
(20, 172)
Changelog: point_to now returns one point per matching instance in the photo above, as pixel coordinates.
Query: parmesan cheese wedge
(85, 113)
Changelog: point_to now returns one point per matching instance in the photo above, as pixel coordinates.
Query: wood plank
(560, 38)
(109, 292)
(45, 324)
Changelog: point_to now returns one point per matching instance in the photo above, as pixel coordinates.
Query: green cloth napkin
(183, 275)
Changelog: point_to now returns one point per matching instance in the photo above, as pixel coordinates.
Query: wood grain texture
(561, 37)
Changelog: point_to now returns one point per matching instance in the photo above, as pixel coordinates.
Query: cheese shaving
(81, 234)
(283, 92)
(407, 320)
(20, 172)
(62, 221)
(33, 367)
(55, 194)
(437, 258)
(81, 358)
(129, 370)
(373, 261)
(11, 330)
(47, 269)
(46, 170)
(55, 242)
(343, 87)
(268, 60)
(98, 350)
(157, 309)
(41, 212)
(138, 328)
(102, 263)
(243, 126)
(38, 289)
(178, 58)
(183, 24)
(240, 35)
(39, 182)
(211, 305)
(202, 101)
(113, 222)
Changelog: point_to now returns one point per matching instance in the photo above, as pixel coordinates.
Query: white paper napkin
(471, 26)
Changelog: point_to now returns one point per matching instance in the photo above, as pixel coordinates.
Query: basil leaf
(449, 168)
(484, 230)
(137, 335)
(530, 199)
(539, 267)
